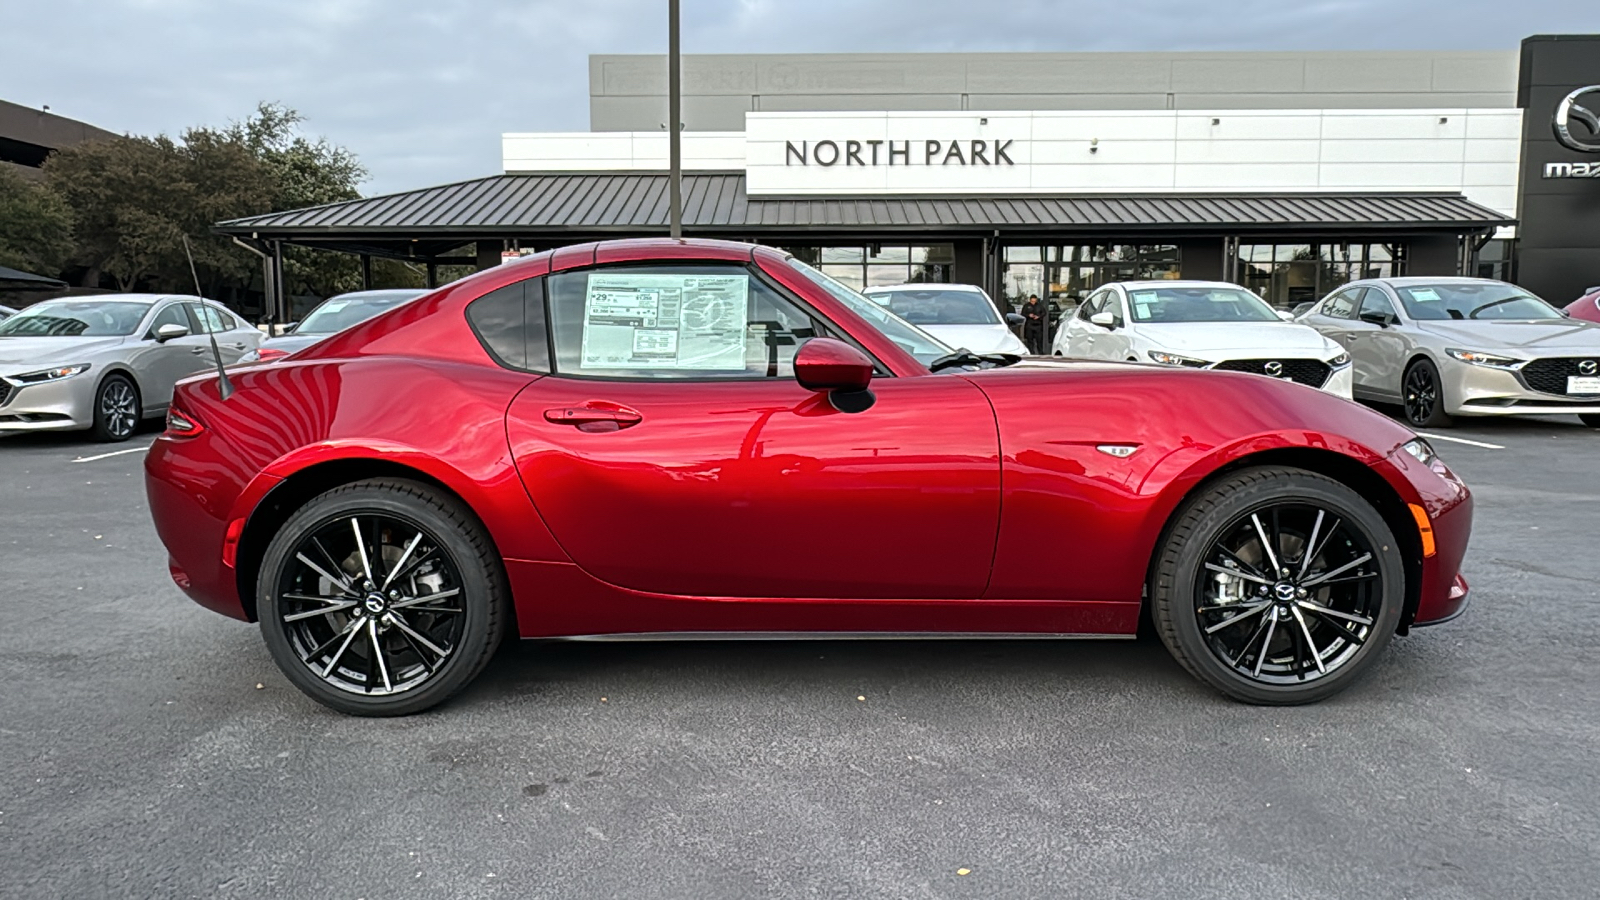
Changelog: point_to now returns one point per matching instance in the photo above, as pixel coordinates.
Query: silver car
(330, 317)
(1443, 347)
(104, 362)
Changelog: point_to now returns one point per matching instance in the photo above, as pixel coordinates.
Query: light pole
(674, 122)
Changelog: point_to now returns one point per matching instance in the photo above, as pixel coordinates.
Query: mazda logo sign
(1273, 368)
(1569, 112)
(1588, 367)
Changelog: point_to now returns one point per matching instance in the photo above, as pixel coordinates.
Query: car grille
(5, 392)
(1549, 376)
(1311, 372)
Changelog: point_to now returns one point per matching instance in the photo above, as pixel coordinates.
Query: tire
(117, 410)
(1422, 396)
(1591, 419)
(443, 616)
(1202, 626)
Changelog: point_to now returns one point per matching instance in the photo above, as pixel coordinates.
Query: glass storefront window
(1064, 274)
(1287, 275)
(875, 265)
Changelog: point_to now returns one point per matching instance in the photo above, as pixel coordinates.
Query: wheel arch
(126, 371)
(299, 488)
(1351, 473)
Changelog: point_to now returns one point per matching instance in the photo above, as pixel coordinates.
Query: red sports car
(1586, 307)
(648, 438)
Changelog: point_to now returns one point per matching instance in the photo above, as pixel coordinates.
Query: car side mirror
(1014, 319)
(1380, 319)
(826, 364)
(1104, 319)
(171, 331)
(289, 328)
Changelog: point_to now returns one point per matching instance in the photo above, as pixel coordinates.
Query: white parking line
(1456, 440)
(111, 454)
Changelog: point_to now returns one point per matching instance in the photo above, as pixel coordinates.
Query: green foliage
(35, 226)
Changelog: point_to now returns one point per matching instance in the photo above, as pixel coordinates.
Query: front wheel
(1423, 394)
(1278, 586)
(116, 409)
(382, 598)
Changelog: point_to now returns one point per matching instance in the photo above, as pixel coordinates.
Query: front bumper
(1340, 383)
(1471, 390)
(62, 405)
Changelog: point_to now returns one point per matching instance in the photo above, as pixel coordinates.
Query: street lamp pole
(674, 121)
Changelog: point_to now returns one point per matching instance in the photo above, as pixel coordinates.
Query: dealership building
(1052, 173)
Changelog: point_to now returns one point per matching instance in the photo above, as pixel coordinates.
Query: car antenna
(224, 386)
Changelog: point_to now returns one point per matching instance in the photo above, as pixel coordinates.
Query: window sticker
(659, 321)
(1145, 297)
(1425, 295)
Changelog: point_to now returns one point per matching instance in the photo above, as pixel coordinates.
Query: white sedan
(960, 315)
(1202, 325)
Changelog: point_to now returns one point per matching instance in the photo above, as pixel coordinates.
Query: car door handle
(197, 350)
(592, 418)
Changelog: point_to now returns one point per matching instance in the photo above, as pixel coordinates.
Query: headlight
(1173, 359)
(1420, 450)
(1340, 361)
(1485, 359)
(51, 374)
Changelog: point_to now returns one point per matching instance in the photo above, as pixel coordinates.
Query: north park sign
(975, 152)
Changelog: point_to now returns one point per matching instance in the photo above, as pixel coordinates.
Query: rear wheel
(1423, 395)
(382, 598)
(1278, 586)
(116, 409)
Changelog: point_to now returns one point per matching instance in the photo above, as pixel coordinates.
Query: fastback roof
(716, 203)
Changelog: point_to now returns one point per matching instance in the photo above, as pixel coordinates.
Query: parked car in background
(1201, 325)
(105, 362)
(658, 438)
(1443, 347)
(330, 317)
(1586, 307)
(961, 315)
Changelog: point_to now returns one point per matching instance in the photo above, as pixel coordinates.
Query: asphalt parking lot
(151, 749)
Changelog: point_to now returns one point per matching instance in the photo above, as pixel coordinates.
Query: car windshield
(934, 306)
(906, 336)
(76, 318)
(339, 313)
(1473, 300)
(1198, 304)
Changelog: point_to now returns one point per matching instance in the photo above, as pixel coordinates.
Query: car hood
(1544, 338)
(1238, 340)
(18, 354)
(977, 338)
(289, 343)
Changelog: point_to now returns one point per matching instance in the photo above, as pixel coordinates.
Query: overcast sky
(422, 89)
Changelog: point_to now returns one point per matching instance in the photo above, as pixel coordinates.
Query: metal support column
(277, 300)
(1230, 259)
(674, 121)
(366, 271)
(433, 274)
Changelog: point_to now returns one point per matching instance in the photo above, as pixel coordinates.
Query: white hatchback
(960, 315)
(1202, 325)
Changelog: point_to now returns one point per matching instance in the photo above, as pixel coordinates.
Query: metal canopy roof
(599, 203)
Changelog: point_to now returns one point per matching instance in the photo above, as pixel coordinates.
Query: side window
(1113, 305)
(1376, 301)
(674, 321)
(1343, 304)
(207, 319)
(510, 323)
(171, 314)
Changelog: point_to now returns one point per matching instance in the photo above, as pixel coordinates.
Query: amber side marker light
(1424, 528)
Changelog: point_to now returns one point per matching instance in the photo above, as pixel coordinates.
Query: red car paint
(1586, 307)
(960, 502)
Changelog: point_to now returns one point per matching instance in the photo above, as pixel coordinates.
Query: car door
(671, 450)
(1081, 333)
(1379, 351)
(159, 365)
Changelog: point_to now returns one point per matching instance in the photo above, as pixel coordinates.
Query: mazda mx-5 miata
(651, 438)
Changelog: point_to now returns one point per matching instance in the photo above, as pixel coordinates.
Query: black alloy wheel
(1278, 586)
(116, 409)
(1423, 396)
(381, 598)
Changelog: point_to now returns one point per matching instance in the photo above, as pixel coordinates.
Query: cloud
(421, 91)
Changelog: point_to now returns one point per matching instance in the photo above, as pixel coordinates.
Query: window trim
(880, 370)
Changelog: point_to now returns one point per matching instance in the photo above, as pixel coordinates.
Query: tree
(35, 226)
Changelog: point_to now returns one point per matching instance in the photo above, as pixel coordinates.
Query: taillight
(180, 424)
(268, 354)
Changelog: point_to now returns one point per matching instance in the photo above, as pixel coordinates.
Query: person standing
(1034, 324)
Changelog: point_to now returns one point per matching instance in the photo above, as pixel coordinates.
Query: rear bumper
(191, 498)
